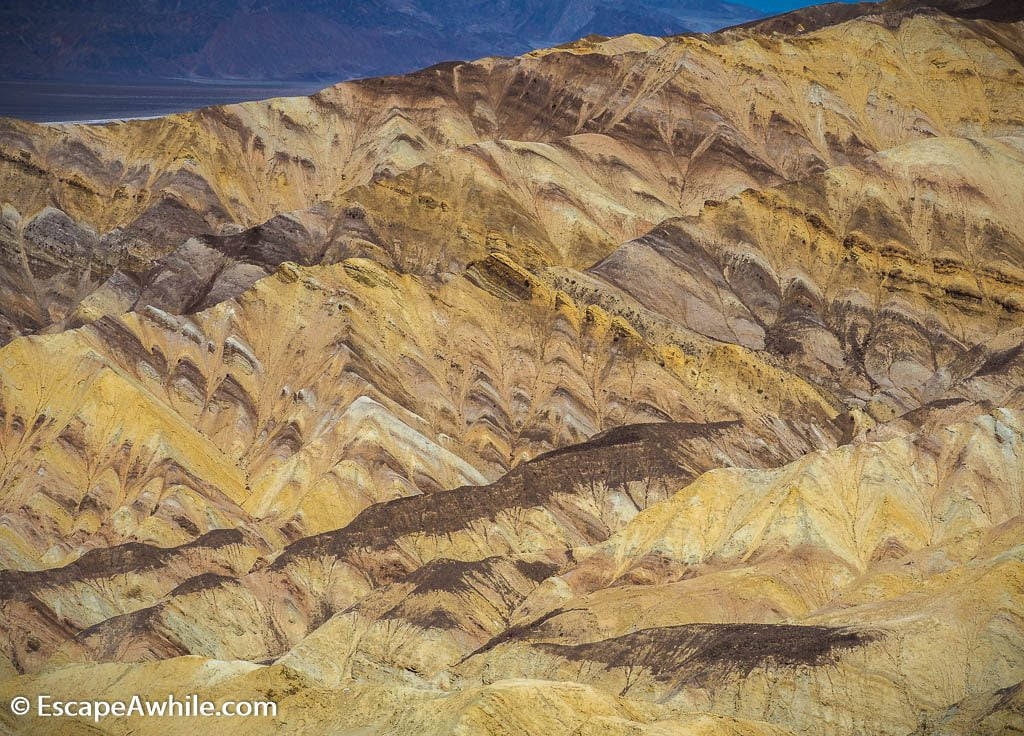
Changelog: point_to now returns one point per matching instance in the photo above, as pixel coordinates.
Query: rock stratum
(636, 386)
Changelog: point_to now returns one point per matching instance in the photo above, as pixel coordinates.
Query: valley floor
(52, 101)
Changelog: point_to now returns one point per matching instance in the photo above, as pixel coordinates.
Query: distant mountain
(312, 39)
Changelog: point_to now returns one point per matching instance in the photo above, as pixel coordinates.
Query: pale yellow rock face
(841, 91)
(928, 492)
(566, 203)
(639, 386)
(135, 451)
(514, 707)
(323, 390)
(913, 542)
(874, 280)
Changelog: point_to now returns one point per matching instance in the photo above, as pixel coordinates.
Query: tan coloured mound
(639, 386)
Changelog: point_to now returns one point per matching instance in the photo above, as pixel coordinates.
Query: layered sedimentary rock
(866, 278)
(712, 115)
(634, 386)
(903, 546)
(319, 392)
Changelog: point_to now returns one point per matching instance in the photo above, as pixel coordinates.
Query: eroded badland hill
(637, 386)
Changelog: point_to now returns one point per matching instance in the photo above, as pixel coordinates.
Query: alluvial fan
(635, 386)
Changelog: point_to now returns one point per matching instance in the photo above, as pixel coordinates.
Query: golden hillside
(636, 386)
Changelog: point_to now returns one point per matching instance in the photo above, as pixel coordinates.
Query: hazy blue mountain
(97, 59)
(312, 39)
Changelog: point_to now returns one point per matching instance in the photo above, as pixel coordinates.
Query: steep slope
(506, 708)
(889, 281)
(717, 114)
(637, 385)
(381, 388)
(571, 497)
(802, 578)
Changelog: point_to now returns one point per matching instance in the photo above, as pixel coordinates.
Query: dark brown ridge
(696, 652)
(1002, 11)
(108, 561)
(199, 583)
(454, 576)
(621, 455)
